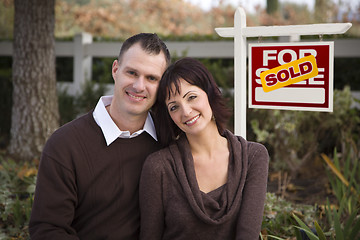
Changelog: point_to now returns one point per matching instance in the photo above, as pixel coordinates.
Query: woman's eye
(172, 108)
(192, 97)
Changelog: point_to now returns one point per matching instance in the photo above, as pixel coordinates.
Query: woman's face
(190, 109)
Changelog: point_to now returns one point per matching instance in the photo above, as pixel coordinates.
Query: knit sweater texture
(174, 208)
(86, 189)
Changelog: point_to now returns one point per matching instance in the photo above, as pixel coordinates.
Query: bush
(71, 107)
(296, 138)
(17, 187)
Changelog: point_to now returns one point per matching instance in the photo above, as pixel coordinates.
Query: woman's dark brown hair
(195, 73)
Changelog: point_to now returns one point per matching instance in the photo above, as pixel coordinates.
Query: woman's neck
(207, 141)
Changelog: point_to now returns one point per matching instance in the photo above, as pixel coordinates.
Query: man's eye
(132, 72)
(151, 78)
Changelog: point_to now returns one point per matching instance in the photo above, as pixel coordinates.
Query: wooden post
(82, 62)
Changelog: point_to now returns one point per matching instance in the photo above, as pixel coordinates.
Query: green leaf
(274, 237)
(355, 230)
(301, 223)
(319, 231)
(337, 225)
(309, 233)
(349, 222)
(305, 228)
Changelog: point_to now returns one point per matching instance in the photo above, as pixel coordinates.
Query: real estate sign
(291, 76)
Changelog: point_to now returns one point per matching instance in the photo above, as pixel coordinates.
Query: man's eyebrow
(127, 68)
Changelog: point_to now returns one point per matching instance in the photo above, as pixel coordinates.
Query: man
(87, 185)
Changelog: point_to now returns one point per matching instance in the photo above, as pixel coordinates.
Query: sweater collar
(204, 206)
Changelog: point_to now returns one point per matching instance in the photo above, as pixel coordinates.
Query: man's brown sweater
(86, 189)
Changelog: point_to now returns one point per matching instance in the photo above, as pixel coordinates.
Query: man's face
(137, 78)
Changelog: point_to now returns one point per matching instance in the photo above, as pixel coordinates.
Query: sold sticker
(289, 73)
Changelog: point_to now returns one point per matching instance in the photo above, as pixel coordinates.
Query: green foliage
(222, 71)
(346, 74)
(308, 231)
(5, 99)
(295, 138)
(67, 109)
(343, 221)
(71, 107)
(277, 219)
(64, 69)
(272, 6)
(347, 229)
(344, 178)
(101, 70)
(17, 187)
(6, 15)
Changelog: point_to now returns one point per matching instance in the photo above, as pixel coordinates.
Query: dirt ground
(309, 185)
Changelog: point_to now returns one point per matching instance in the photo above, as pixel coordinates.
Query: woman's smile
(192, 121)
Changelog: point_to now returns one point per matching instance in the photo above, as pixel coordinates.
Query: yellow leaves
(27, 170)
(334, 169)
(123, 18)
(337, 172)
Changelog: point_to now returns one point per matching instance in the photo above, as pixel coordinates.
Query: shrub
(295, 138)
(17, 187)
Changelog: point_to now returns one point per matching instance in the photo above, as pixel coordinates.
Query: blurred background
(314, 156)
(178, 18)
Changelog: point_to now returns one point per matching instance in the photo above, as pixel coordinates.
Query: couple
(205, 184)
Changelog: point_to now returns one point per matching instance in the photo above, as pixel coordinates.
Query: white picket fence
(83, 49)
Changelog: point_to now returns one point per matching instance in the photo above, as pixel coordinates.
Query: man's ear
(115, 68)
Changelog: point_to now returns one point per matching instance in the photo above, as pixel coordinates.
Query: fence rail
(83, 49)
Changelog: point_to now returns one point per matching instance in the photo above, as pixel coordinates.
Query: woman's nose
(186, 110)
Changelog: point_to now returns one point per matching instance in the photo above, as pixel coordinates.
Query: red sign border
(293, 105)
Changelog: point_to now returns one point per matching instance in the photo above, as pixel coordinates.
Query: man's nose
(139, 84)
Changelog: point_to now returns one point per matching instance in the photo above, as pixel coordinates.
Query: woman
(208, 183)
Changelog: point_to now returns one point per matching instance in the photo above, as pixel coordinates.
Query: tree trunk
(35, 113)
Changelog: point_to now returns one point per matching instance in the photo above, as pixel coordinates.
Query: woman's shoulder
(250, 145)
(256, 146)
(158, 159)
(255, 150)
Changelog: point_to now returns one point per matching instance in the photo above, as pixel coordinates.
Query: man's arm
(54, 202)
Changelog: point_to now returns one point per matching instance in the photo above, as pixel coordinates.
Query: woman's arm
(254, 193)
(151, 199)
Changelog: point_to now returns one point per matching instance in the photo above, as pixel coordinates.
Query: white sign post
(240, 32)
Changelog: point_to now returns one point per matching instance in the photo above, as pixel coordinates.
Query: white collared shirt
(110, 129)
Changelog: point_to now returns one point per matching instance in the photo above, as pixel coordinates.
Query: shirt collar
(109, 128)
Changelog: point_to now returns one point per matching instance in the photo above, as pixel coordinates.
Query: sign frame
(293, 98)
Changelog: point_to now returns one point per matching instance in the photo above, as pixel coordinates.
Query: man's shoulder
(77, 124)
(81, 127)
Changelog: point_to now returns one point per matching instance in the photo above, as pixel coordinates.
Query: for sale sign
(291, 76)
